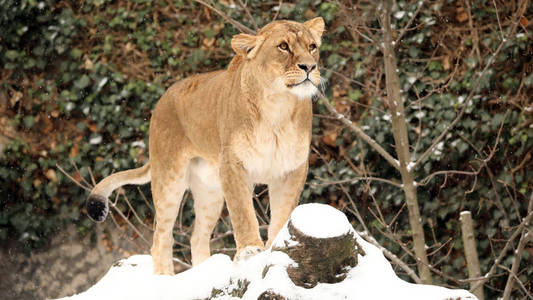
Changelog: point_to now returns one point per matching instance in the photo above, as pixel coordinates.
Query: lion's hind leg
(167, 191)
(207, 208)
(208, 202)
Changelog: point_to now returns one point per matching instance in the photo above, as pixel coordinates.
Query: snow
(95, 140)
(219, 276)
(320, 220)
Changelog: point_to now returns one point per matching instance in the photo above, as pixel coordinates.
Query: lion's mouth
(301, 82)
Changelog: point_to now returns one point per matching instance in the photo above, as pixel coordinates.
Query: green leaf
(83, 82)
(11, 54)
(354, 94)
(29, 121)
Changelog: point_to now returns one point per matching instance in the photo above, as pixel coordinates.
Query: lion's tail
(97, 206)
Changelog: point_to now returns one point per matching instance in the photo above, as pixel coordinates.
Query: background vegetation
(78, 81)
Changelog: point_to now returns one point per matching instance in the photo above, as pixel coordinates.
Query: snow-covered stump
(321, 241)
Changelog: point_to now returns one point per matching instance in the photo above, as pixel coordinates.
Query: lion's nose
(307, 68)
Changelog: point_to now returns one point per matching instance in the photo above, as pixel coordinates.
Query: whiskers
(322, 85)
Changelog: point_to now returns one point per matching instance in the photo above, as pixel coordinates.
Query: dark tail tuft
(97, 208)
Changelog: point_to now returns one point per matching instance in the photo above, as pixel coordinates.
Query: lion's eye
(312, 47)
(283, 46)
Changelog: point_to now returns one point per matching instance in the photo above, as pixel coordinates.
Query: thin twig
(278, 11)
(123, 194)
(247, 11)
(129, 223)
(518, 254)
(517, 231)
(404, 29)
(513, 275)
(392, 257)
(73, 180)
(355, 180)
(79, 173)
(233, 22)
(358, 131)
(491, 60)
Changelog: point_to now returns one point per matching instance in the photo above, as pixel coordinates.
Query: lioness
(219, 133)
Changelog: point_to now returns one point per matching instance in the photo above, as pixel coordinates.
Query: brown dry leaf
(309, 13)
(524, 21)
(48, 126)
(51, 175)
(461, 17)
(446, 63)
(55, 113)
(207, 13)
(227, 3)
(88, 65)
(74, 151)
(338, 91)
(56, 200)
(313, 158)
(36, 182)
(330, 139)
(218, 27)
(99, 158)
(92, 127)
(129, 46)
(15, 98)
(208, 42)
(341, 106)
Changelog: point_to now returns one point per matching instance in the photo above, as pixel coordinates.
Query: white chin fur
(304, 90)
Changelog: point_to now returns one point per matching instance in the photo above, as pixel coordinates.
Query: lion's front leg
(284, 193)
(238, 196)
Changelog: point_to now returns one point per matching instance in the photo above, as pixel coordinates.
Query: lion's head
(284, 55)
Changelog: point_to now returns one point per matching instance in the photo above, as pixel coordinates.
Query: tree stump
(321, 241)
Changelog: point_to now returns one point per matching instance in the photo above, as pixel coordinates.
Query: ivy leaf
(11, 54)
(83, 82)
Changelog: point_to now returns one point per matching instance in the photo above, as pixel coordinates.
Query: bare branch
(278, 11)
(247, 11)
(79, 173)
(73, 180)
(357, 179)
(401, 142)
(359, 132)
(391, 256)
(113, 205)
(233, 22)
(123, 194)
(404, 30)
(511, 274)
(518, 253)
(517, 231)
(491, 60)
(469, 242)
(428, 178)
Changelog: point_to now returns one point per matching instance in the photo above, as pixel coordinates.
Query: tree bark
(469, 243)
(270, 295)
(401, 141)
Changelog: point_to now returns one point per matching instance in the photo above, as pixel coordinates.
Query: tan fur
(222, 132)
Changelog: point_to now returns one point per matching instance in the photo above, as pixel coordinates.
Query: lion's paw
(247, 252)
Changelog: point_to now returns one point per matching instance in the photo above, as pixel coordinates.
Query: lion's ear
(246, 45)
(316, 26)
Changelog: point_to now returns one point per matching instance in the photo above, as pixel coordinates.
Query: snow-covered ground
(220, 278)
